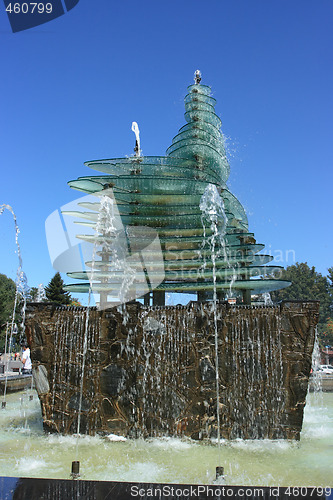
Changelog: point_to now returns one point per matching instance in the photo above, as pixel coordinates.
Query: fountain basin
(14, 383)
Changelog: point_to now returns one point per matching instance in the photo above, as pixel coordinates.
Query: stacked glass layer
(164, 193)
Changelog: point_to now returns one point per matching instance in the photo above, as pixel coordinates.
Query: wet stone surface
(151, 371)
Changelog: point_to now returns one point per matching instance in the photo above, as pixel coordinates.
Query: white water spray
(135, 129)
(267, 299)
(41, 295)
(316, 376)
(212, 207)
(21, 291)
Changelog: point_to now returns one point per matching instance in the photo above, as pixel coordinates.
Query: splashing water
(167, 460)
(21, 291)
(111, 246)
(84, 356)
(267, 299)
(135, 129)
(212, 208)
(213, 211)
(197, 77)
(17, 231)
(101, 217)
(316, 375)
(41, 295)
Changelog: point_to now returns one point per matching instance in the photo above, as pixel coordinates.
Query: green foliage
(33, 294)
(308, 284)
(7, 297)
(55, 291)
(75, 302)
(327, 335)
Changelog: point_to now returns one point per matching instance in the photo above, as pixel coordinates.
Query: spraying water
(267, 299)
(212, 208)
(108, 266)
(41, 295)
(135, 129)
(21, 292)
(112, 269)
(316, 377)
(197, 77)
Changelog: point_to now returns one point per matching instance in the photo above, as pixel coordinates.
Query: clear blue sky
(71, 88)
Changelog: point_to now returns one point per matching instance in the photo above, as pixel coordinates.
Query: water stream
(20, 294)
(212, 208)
(108, 265)
(41, 295)
(135, 129)
(316, 374)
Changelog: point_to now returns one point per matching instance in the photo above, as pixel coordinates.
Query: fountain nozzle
(75, 469)
(219, 472)
(197, 77)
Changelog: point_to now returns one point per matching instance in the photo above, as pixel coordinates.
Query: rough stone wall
(151, 370)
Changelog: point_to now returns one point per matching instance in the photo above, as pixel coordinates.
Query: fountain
(41, 295)
(21, 292)
(208, 369)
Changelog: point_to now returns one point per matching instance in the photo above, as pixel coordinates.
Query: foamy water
(26, 451)
(29, 465)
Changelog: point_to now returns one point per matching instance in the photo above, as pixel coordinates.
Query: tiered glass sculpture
(165, 192)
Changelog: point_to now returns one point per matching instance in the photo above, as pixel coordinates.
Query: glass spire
(164, 193)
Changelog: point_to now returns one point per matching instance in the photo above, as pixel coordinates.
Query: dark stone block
(38, 337)
(108, 408)
(113, 380)
(117, 426)
(112, 328)
(137, 383)
(84, 425)
(116, 349)
(40, 355)
(207, 370)
(74, 403)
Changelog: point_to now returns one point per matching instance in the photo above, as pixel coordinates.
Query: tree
(33, 294)
(55, 291)
(7, 297)
(308, 284)
(327, 336)
(7, 300)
